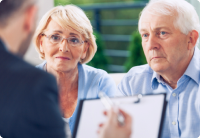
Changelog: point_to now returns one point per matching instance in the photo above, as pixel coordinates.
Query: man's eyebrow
(155, 29)
(159, 28)
(142, 30)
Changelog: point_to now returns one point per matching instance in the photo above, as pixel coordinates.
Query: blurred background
(115, 27)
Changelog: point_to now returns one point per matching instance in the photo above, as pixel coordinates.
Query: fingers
(105, 113)
(111, 127)
(128, 122)
(112, 117)
(124, 113)
(100, 125)
(127, 117)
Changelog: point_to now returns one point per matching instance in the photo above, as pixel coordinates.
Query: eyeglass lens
(71, 40)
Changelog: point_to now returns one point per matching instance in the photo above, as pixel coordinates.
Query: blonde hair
(69, 16)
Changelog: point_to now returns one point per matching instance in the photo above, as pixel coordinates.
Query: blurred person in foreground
(170, 31)
(64, 39)
(29, 105)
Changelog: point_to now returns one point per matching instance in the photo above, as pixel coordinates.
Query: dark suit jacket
(28, 100)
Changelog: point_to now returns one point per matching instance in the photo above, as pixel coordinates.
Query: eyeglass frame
(48, 36)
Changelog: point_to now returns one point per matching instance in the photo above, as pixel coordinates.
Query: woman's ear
(41, 46)
(85, 49)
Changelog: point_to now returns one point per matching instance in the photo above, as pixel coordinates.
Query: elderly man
(169, 31)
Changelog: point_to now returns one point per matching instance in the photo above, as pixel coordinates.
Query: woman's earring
(81, 60)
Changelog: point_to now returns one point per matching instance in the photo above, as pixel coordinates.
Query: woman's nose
(64, 46)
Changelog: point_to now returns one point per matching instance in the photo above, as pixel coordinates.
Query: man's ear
(30, 18)
(193, 37)
(86, 46)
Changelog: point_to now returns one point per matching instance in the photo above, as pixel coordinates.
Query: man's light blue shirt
(183, 110)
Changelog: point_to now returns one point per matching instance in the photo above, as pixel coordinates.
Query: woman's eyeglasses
(73, 41)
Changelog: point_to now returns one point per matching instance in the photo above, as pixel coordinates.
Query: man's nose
(153, 42)
(64, 46)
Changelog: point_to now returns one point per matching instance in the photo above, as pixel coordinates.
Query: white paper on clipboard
(147, 115)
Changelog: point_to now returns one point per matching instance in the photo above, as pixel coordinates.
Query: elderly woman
(64, 39)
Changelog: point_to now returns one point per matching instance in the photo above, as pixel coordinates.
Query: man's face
(25, 43)
(165, 47)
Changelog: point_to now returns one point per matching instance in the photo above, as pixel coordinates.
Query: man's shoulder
(137, 80)
(15, 70)
(139, 70)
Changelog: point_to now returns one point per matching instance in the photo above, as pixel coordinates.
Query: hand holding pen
(118, 124)
(112, 129)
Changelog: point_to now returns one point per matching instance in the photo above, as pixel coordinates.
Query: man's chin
(158, 68)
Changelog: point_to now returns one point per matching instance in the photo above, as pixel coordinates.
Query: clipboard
(147, 113)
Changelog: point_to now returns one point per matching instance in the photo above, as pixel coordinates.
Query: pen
(109, 104)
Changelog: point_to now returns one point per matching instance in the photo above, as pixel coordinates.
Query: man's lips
(64, 58)
(155, 58)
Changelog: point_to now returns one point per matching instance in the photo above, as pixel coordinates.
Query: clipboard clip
(138, 100)
(139, 97)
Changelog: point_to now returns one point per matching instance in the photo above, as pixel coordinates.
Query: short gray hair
(186, 19)
(10, 7)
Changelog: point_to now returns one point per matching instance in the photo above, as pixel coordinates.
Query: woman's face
(62, 56)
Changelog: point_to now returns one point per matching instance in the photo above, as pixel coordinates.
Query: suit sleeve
(41, 117)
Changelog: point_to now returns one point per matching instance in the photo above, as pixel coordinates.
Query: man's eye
(55, 37)
(162, 33)
(144, 35)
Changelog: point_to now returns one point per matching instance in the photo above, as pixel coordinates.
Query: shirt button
(173, 123)
(174, 94)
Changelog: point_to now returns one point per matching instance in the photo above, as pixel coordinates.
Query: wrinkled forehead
(156, 22)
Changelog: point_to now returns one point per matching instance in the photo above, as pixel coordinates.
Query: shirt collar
(192, 71)
(155, 80)
(193, 68)
(2, 45)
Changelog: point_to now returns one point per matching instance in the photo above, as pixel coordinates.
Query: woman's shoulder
(91, 70)
(97, 80)
(41, 66)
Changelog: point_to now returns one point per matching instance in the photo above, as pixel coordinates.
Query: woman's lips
(63, 58)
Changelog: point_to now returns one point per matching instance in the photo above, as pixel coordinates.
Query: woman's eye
(74, 40)
(55, 37)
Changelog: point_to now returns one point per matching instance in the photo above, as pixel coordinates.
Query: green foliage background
(99, 60)
(81, 2)
(117, 14)
(137, 56)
